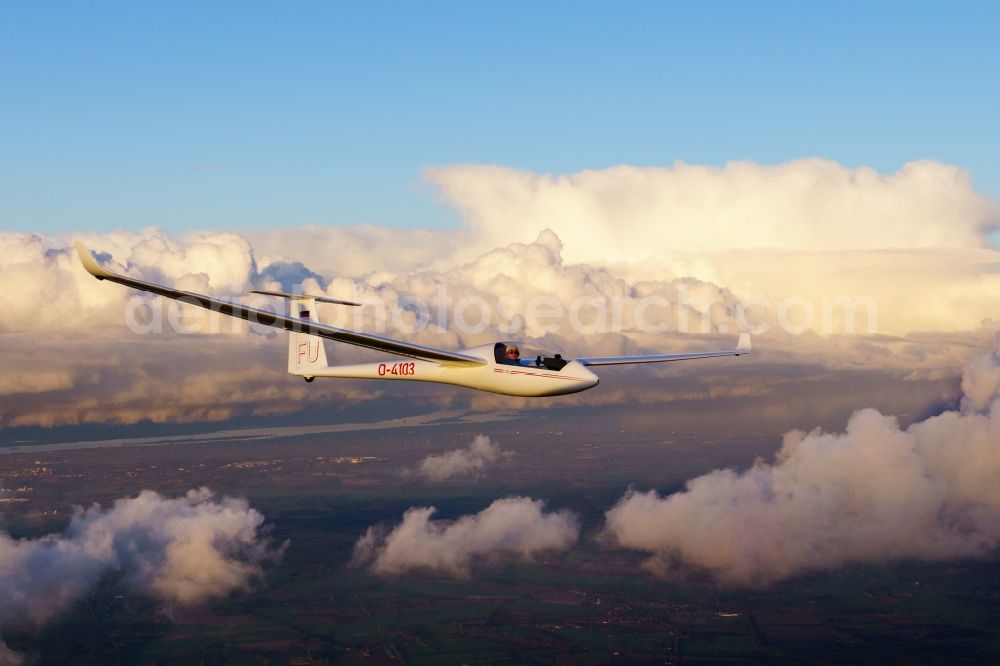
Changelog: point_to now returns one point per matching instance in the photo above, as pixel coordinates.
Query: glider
(493, 367)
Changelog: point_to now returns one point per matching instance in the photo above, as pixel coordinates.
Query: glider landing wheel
(309, 379)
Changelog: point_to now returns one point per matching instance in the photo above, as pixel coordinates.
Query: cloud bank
(481, 453)
(697, 241)
(874, 493)
(181, 550)
(515, 527)
(631, 213)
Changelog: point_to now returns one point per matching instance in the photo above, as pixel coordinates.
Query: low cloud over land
(182, 551)
(874, 493)
(516, 527)
(471, 460)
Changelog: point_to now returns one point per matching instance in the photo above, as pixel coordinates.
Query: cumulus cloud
(912, 241)
(45, 288)
(180, 550)
(479, 454)
(632, 213)
(357, 252)
(874, 493)
(981, 379)
(511, 527)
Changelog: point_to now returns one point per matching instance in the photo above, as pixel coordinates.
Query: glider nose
(589, 377)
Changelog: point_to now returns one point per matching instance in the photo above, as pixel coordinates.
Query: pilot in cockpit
(512, 355)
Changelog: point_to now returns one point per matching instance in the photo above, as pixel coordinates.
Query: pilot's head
(512, 353)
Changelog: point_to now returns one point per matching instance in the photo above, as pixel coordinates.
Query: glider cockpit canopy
(527, 355)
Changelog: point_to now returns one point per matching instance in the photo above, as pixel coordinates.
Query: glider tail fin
(305, 352)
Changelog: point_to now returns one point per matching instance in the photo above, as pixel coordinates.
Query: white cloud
(872, 494)
(356, 252)
(511, 527)
(183, 551)
(913, 241)
(479, 454)
(981, 379)
(632, 214)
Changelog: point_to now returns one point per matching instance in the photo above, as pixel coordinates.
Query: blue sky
(249, 115)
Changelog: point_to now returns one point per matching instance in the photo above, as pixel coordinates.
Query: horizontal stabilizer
(299, 297)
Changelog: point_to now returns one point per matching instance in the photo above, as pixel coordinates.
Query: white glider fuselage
(526, 380)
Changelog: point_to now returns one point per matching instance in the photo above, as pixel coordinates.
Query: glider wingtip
(88, 261)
